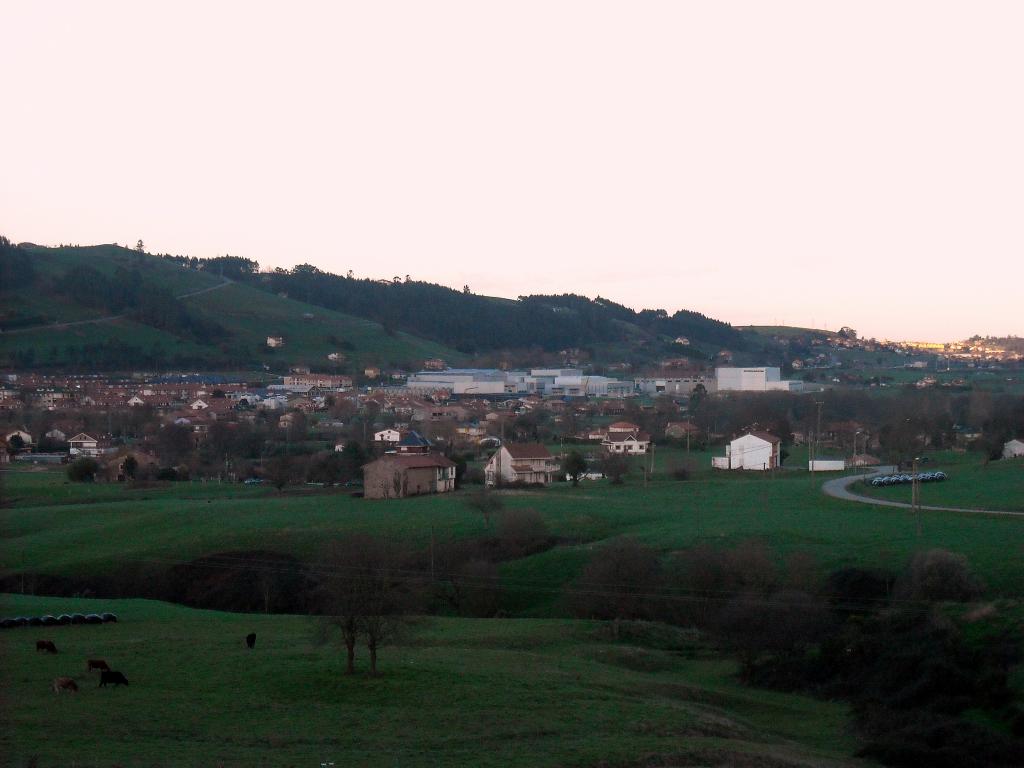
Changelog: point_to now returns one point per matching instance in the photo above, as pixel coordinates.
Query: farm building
(1013, 448)
(395, 476)
(754, 450)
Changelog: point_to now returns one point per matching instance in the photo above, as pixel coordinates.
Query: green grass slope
(453, 692)
(971, 485)
(55, 528)
(248, 315)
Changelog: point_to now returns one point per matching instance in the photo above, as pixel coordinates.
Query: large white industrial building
(754, 380)
(554, 382)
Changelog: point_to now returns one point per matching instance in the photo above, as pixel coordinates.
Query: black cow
(250, 640)
(112, 676)
(46, 645)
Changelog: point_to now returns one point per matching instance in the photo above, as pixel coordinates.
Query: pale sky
(841, 163)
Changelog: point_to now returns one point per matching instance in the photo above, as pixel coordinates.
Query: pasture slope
(453, 692)
(58, 529)
(247, 315)
(972, 484)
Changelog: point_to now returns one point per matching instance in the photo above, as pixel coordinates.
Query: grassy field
(453, 692)
(53, 528)
(972, 484)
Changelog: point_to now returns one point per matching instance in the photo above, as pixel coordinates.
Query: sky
(803, 163)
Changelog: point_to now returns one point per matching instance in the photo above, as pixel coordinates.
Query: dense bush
(938, 575)
(83, 470)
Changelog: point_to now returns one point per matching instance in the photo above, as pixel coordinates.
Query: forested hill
(106, 307)
(476, 324)
(109, 307)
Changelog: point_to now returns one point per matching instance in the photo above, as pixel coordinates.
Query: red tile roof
(415, 460)
(528, 451)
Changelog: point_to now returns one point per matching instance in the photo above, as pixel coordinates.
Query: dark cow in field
(61, 684)
(113, 677)
(250, 640)
(99, 664)
(46, 645)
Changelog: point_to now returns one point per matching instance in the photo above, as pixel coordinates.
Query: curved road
(109, 318)
(839, 488)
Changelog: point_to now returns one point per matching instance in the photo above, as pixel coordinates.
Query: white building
(275, 341)
(84, 445)
(556, 382)
(627, 443)
(387, 437)
(826, 465)
(674, 385)
(1013, 449)
(764, 379)
(529, 463)
(755, 450)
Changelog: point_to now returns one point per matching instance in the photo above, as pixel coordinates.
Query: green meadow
(453, 692)
(533, 689)
(53, 527)
(972, 484)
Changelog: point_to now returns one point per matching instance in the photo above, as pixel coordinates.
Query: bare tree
(618, 584)
(344, 591)
(486, 502)
(361, 595)
(615, 466)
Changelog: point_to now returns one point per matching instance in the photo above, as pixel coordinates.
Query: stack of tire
(898, 479)
(54, 621)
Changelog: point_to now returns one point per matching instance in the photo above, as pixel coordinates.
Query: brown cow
(46, 645)
(61, 684)
(112, 676)
(99, 664)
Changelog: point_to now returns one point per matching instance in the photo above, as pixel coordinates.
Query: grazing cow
(45, 645)
(250, 640)
(61, 684)
(112, 676)
(99, 664)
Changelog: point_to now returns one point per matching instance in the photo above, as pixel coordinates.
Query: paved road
(109, 318)
(839, 488)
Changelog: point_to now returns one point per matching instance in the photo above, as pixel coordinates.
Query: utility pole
(915, 495)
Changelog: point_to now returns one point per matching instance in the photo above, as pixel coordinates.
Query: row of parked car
(921, 477)
(53, 621)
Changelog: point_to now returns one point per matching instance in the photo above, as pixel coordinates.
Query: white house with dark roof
(84, 445)
(758, 451)
(626, 443)
(530, 463)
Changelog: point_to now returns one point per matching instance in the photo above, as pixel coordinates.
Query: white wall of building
(747, 452)
(826, 465)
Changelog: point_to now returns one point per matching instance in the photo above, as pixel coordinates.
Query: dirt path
(109, 318)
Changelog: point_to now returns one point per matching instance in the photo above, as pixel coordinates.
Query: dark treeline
(925, 688)
(468, 322)
(128, 292)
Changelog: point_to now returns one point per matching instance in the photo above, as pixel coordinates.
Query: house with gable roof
(528, 463)
(758, 451)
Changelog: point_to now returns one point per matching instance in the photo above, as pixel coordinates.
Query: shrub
(521, 532)
(83, 470)
(938, 575)
(679, 472)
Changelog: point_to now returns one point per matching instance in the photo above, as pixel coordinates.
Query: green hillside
(453, 692)
(64, 307)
